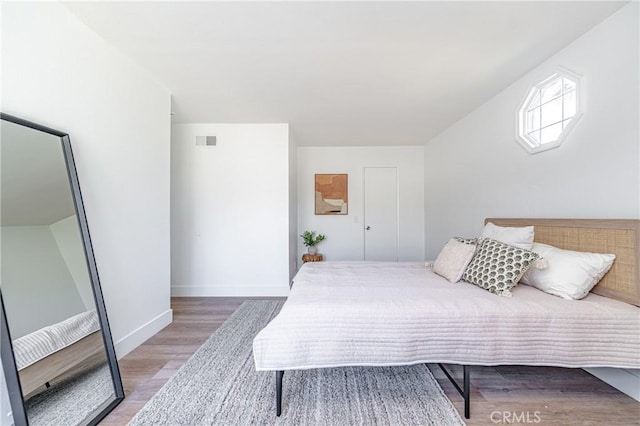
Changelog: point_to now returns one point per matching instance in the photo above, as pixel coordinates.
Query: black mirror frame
(6, 346)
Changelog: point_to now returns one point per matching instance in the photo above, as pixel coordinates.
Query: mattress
(41, 343)
(390, 313)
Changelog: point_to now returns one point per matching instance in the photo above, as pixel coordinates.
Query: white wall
(476, 169)
(293, 206)
(345, 234)
(57, 72)
(66, 233)
(230, 210)
(37, 287)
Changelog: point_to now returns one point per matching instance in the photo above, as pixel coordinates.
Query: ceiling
(340, 73)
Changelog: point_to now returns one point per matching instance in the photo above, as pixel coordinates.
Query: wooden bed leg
(279, 375)
(467, 394)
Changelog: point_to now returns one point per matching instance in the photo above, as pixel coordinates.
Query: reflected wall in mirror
(57, 352)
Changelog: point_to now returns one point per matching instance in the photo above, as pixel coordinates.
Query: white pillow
(570, 274)
(453, 259)
(519, 237)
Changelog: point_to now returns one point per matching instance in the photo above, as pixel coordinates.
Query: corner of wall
(293, 205)
(141, 334)
(232, 221)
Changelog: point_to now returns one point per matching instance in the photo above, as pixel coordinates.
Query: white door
(381, 213)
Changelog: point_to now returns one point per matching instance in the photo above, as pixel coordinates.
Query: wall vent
(205, 141)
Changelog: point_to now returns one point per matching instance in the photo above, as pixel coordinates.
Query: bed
(384, 314)
(52, 351)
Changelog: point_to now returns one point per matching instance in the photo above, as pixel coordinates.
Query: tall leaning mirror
(58, 357)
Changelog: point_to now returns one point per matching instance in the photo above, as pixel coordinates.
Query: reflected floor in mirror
(72, 400)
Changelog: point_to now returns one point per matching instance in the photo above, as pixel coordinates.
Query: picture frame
(331, 194)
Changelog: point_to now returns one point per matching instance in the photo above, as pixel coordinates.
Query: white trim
(625, 380)
(142, 333)
(229, 291)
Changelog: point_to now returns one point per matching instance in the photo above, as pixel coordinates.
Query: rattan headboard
(618, 236)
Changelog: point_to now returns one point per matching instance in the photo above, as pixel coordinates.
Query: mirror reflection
(49, 301)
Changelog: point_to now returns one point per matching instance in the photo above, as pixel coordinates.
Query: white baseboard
(141, 334)
(625, 380)
(230, 291)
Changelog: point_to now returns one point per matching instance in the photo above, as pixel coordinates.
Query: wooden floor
(500, 395)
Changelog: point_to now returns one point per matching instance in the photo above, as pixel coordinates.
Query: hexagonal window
(549, 112)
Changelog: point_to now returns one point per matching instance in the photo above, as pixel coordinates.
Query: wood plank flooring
(500, 395)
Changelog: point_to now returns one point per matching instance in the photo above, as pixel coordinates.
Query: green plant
(309, 238)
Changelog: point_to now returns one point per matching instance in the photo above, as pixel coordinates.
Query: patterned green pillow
(497, 267)
(467, 240)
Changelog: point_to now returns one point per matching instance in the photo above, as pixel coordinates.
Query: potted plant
(311, 240)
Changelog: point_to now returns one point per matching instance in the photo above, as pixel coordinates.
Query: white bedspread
(383, 313)
(41, 343)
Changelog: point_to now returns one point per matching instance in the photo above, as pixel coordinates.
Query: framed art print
(331, 194)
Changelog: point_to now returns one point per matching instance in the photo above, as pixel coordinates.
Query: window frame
(521, 135)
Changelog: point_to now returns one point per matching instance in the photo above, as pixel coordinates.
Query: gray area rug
(71, 401)
(218, 385)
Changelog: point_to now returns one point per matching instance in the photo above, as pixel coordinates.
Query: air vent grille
(205, 141)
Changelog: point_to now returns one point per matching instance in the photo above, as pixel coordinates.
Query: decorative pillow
(519, 237)
(570, 274)
(473, 241)
(453, 259)
(497, 267)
